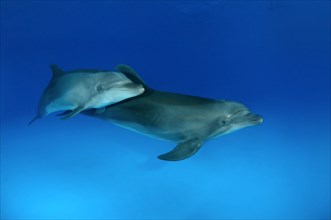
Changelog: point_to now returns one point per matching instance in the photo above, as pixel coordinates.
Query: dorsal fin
(129, 72)
(57, 72)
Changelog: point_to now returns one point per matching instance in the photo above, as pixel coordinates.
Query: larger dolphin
(187, 120)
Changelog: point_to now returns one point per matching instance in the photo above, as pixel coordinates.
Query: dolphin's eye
(225, 121)
(100, 87)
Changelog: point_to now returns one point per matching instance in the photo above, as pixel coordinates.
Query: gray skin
(187, 120)
(84, 89)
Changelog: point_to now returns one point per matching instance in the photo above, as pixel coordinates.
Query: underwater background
(273, 56)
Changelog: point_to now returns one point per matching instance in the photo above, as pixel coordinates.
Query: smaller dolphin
(79, 90)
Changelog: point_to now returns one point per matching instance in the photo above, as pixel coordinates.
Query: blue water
(273, 56)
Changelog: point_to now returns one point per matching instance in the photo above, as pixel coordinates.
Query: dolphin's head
(234, 116)
(114, 88)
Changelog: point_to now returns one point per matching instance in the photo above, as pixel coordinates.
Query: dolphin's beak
(254, 118)
(133, 86)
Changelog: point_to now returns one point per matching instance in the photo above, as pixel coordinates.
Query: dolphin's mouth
(259, 120)
(253, 119)
(247, 118)
(132, 87)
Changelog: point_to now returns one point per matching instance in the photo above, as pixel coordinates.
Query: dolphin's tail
(34, 119)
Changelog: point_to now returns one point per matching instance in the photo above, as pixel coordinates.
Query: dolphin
(187, 120)
(84, 89)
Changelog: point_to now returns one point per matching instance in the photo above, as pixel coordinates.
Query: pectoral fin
(73, 112)
(183, 150)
